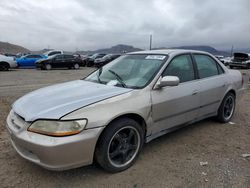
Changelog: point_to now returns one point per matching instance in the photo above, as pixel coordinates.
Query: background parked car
(82, 57)
(105, 59)
(18, 55)
(29, 60)
(7, 62)
(59, 61)
(241, 60)
(53, 52)
(10, 55)
(90, 61)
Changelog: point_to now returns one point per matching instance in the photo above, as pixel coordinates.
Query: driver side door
(58, 61)
(176, 105)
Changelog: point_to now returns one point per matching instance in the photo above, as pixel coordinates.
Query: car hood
(40, 60)
(55, 101)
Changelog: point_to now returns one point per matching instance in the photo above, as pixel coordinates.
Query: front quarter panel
(102, 113)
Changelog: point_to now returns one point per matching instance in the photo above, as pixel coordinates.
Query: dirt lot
(172, 160)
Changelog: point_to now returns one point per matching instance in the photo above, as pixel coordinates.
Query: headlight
(58, 128)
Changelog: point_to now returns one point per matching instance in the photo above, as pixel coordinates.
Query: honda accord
(111, 113)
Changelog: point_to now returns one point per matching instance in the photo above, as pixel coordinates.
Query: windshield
(93, 56)
(106, 56)
(132, 71)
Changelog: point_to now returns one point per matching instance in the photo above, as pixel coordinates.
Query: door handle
(195, 92)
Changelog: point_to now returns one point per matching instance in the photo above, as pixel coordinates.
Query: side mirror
(168, 81)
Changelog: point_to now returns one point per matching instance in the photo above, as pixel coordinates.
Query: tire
(48, 67)
(76, 66)
(125, 137)
(4, 66)
(226, 109)
(43, 67)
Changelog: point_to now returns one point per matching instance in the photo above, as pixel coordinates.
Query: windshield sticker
(156, 57)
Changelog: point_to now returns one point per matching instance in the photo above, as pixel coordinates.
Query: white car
(7, 62)
(53, 52)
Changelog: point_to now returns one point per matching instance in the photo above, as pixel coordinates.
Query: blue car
(29, 60)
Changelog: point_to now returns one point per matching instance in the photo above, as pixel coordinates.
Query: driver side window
(182, 67)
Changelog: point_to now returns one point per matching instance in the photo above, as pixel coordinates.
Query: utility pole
(232, 50)
(150, 42)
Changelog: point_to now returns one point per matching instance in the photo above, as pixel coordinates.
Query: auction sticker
(155, 57)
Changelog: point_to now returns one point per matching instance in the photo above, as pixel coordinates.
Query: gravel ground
(172, 160)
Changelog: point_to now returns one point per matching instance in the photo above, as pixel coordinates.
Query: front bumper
(39, 65)
(54, 153)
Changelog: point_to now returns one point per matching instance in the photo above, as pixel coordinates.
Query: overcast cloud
(92, 24)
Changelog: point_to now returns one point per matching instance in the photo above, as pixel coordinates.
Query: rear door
(213, 82)
(27, 60)
(69, 60)
(34, 59)
(172, 106)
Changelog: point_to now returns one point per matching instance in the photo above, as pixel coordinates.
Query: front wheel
(48, 67)
(248, 66)
(227, 107)
(119, 145)
(4, 66)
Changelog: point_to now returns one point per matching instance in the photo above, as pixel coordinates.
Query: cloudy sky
(92, 24)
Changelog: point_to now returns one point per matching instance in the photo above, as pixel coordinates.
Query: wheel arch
(231, 91)
(136, 117)
(5, 63)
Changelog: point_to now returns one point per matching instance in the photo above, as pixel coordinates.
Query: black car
(59, 61)
(90, 61)
(241, 60)
(99, 62)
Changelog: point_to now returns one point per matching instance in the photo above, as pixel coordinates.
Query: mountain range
(6, 47)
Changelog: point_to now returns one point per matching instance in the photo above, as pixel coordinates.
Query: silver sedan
(110, 114)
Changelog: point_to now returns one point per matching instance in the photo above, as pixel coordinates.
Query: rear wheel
(227, 107)
(119, 145)
(48, 67)
(76, 66)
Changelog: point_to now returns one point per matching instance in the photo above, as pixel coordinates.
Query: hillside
(120, 48)
(6, 47)
(204, 48)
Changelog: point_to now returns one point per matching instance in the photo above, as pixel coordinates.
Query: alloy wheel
(228, 107)
(76, 66)
(124, 146)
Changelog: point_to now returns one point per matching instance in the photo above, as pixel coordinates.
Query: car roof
(168, 51)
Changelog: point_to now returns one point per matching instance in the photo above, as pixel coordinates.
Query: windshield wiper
(118, 78)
